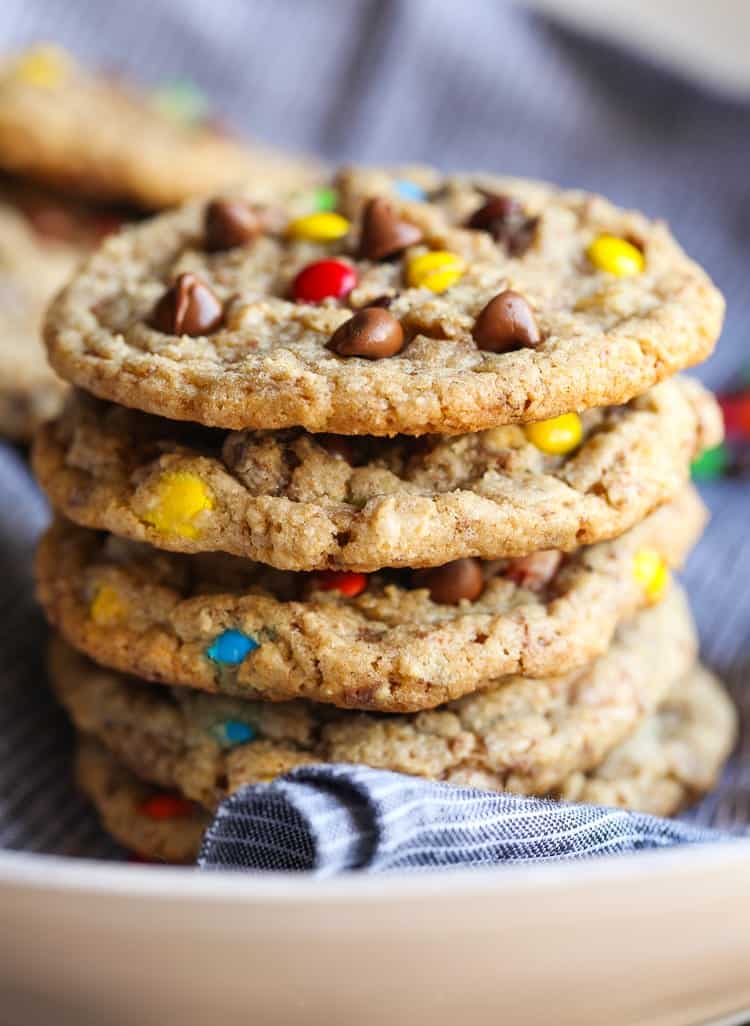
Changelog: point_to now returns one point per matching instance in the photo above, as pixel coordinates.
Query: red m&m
(325, 279)
(165, 806)
(348, 584)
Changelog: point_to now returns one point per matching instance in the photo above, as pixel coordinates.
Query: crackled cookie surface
(492, 301)
(95, 135)
(390, 641)
(525, 735)
(32, 268)
(308, 502)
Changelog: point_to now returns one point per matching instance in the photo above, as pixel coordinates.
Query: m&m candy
(231, 647)
(616, 256)
(346, 583)
(180, 497)
(233, 732)
(324, 226)
(325, 279)
(711, 463)
(166, 806)
(652, 573)
(436, 270)
(108, 607)
(557, 436)
(409, 190)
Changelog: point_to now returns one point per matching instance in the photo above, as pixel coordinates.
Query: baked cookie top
(492, 301)
(95, 135)
(525, 735)
(308, 502)
(394, 641)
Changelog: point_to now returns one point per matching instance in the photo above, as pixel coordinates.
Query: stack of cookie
(399, 483)
(80, 154)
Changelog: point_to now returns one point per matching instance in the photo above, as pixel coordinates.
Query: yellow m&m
(557, 436)
(436, 270)
(652, 573)
(43, 66)
(616, 256)
(325, 226)
(181, 496)
(108, 606)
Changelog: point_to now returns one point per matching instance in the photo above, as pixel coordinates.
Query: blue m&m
(233, 732)
(231, 647)
(409, 190)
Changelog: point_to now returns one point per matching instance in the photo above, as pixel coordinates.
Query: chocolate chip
(506, 323)
(372, 333)
(535, 571)
(189, 307)
(504, 219)
(383, 233)
(230, 223)
(447, 585)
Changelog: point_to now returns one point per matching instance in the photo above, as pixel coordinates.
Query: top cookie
(492, 301)
(92, 134)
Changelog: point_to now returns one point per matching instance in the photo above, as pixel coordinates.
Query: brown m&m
(449, 584)
(373, 333)
(506, 323)
(189, 307)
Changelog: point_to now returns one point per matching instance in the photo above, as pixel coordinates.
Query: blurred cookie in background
(97, 136)
(32, 268)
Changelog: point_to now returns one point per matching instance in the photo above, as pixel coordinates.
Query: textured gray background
(479, 84)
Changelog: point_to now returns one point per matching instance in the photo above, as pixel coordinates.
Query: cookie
(309, 502)
(392, 317)
(525, 735)
(660, 777)
(673, 758)
(96, 136)
(31, 271)
(159, 827)
(391, 641)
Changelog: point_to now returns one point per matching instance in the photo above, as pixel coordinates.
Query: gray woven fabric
(479, 85)
(333, 819)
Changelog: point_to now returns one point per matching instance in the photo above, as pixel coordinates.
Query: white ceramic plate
(656, 939)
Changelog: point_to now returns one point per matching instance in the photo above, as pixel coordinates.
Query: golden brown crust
(606, 338)
(389, 648)
(288, 499)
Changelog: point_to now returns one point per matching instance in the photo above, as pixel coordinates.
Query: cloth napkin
(328, 819)
(479, 85)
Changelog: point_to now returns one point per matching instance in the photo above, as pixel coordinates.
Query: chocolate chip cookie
(396, 641)
(310, 502)
(490, 302)
(524, 734)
